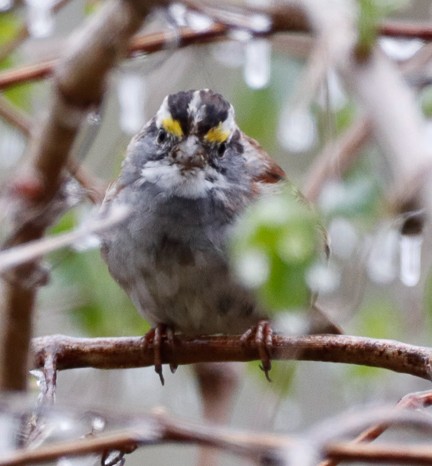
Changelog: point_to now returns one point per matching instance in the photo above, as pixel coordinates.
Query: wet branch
(158, 428)
(127, 352)
(78, 85)
(155, 42)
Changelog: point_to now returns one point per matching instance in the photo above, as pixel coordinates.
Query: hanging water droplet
(94, 118)
(240, 35)
(260, 22)
(297, 130)
(98, 423)
(257, 63)
(198, 21)
(6, 5)
(40, 378)
(40, 17)
(410, 247)
(41, 384)
(131, 92)
(382, 260)
(177, 11)
(400, 49)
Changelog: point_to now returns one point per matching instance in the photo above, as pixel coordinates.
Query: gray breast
(171, 259)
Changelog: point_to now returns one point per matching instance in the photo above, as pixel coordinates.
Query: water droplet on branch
(257, 65)
(410, 247)
(198, 21)
(400, 49)
(131, 92)
(40, 17)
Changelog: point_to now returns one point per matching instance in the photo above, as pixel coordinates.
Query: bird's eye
(221, 149)
(162, 136)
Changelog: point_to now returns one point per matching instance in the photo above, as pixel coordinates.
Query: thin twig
(15, 116)
(150, 43)
(411, 401)
(159, 429)
(406, 29)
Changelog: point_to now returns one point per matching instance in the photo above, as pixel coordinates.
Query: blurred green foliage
(371, 12)
(103, 308)
(379, 319)
(426, 101)
(9, 26)
(273, 247)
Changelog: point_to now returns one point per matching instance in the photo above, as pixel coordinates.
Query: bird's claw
(155, 338)
(261, 335)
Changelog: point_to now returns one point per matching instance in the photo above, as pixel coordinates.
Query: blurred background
(377, 283)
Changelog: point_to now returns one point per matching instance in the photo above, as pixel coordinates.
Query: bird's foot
(261, 335)
(154, 338)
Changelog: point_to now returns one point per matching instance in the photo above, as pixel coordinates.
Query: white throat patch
(191, 183)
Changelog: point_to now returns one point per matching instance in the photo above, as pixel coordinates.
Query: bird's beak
(190, 153)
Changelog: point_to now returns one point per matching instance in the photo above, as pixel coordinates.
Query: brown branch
(144, 43)
(406, 29)
(282, 21)
(15, 116)
(159, 428)
(95, 189)
(386, 453)
(79, 84)
(411, 401)
(27, 73)
(127, 352)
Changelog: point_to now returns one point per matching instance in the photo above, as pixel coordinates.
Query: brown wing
(261, 166)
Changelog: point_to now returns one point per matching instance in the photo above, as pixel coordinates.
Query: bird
(188, 177)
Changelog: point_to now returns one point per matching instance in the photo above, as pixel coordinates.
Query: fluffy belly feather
(203, 299)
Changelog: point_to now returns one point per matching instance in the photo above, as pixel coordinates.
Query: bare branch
(159, 428)
(79, 84)
(115, 353)
(15, 116)
(411, 401)
(33, 250)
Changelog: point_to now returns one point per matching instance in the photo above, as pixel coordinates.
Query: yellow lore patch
(172, 126)
(217, 134)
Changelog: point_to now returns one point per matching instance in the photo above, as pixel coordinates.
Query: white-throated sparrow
(188, 176)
